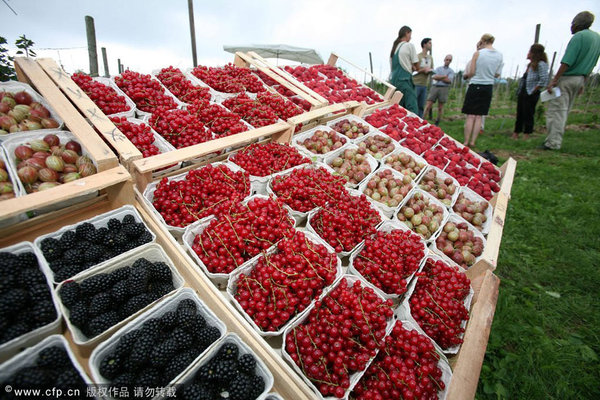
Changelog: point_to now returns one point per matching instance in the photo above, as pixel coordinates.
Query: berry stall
(247, 231)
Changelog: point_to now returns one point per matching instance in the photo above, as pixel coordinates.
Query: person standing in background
(528, 93)
(580, 58)
(485, 65)
(442, 79)
(421, 79)
(403, 61)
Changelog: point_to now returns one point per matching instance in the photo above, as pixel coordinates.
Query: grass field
(545, 339)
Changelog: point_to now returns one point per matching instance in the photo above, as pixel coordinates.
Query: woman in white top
(484, 67)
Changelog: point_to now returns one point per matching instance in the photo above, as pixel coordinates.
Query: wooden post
(192, 32)
(119, 65)
(552, 65)
(90, 31)
(105, 61)
(537, 33)
(371, 64)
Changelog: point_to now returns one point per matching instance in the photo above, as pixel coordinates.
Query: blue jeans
(421, 97)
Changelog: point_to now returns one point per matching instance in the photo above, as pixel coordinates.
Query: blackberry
(145, 237)
(185, 316)
(110, 366)
(31, 378)
(95, 284)
(95, 236)
(138, 281)
(239, 387)
(40, 292)
(70, 293)
(27, 259)
(43, 313)
(93, 253)
(182, 338)
(102, 232)
(82, 230)
(151, 327)
(31, 276)
(121, 274)
(141, 263)
(114, 224)
(99, 304)
(103, 322)
(134, 304)
(126, 379)
(209, 335)
(177, 364)
(69, 379)
(114, 239)
(247, 363)
(53, 357)
(66, 271)
(229, 351)
(160, 271)
(149, 378)
(128, 219)
(126, 343)
(68, 240)
(74, 256)
(187, 304)
(119, 292)
(225, 370)
(78, 314)
(158, 291)
(134, 230)
(51, 249)
(168, 320)
(14, 301)
(199, 391)
(162, 353)
(141, 351)
(14, 330)
(257, 386)
(208, 372)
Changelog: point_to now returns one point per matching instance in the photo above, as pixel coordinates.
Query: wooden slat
(391, 88)
(468, 362)
(29, 71)
(125, 149)
(287, 383)
(306, 117)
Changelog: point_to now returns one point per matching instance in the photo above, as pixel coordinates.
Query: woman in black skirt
(484, 67)
(534, 79)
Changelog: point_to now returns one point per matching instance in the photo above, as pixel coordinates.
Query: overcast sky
(152, 34)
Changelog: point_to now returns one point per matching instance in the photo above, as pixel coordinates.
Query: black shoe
(437, 122)
(544, 147)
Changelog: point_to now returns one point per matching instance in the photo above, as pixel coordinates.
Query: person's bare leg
(428, 105)
(468, 128)
(440, 111)
(476, 129)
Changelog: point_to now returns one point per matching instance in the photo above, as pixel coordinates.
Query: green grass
(545, 339)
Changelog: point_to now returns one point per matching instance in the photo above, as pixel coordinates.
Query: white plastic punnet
(432, 201)
(373, 163)
(352, 118)
(441, 175)
(297, 142)
(111, 84)
(471, 195)
(387, 210)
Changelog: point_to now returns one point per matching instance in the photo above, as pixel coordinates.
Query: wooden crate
(30, 71)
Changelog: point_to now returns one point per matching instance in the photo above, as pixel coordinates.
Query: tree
(7, 72)
(24, 44)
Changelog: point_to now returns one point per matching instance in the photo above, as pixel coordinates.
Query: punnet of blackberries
(229, 374)
(52, 369)
(25, 298)
(154, 354)
(87, 245)
(105, 299)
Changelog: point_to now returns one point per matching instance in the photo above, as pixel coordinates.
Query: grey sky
(151, 34)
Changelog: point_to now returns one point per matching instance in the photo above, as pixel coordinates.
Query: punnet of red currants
(262, 159)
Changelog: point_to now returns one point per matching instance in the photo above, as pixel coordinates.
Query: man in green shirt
(580, 58)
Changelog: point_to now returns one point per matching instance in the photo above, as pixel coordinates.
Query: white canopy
(292, 53)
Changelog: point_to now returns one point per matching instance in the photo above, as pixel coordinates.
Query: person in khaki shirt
(421, 79)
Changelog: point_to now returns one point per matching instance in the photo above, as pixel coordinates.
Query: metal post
(537, 33)
(105, 61)
(552, 65)
(371, 64)
(90, 31)
(192, 32)
(119, 66)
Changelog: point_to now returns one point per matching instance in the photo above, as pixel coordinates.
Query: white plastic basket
(404, 311)
(299, 138)
(261, 369)
(195, 229)
(151, 252)
(389, 226)
(111, 84)
(98, 221)
(13, 346)
(471, 195)
(28, 358)
(354, 378)
(442, 175)
(17, 191)
(271, 396)
(376, 134)
(388, 211)
(403, 150)
(14, 87)
(249, 267)
(373, 163)
(148, 196)
(457, 219)
(431, 200)
(170, 304)
(218, 96)
(353, 118)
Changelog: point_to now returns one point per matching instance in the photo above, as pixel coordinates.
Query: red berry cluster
(284, 283)
(433, 131)
(389, 258)
(139, 134)
(305, 188)
(179, 127)
(415, 122)
(262, 159)
(217, 118)
(205, 191)
(182, 87)
(306, 106)
(345, 223)
(241, 233)
(229, 79)
(417, 143)
(438, 302)
(340, 335)
(252, 111)
(283, 108)
(303, 74)
(406, 368)
(386, 116)
(265, 78)
(105, 97)
(146, 93)
(485, 180)
(436, 156)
